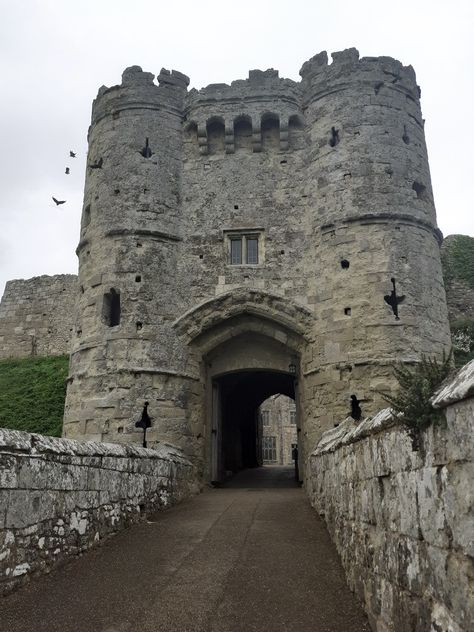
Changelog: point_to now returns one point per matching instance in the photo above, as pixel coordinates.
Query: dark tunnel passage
(240, 395)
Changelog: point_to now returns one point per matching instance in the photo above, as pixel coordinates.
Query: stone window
(111, 308)
(244, 248)
(270, 130)
(265, 418)
(292, 416)
(269, 449)
(215, 136)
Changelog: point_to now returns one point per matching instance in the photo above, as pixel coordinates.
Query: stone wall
(59, 497)
(403, 521)
(36, 316)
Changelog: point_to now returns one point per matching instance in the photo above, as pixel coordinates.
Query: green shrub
(462, 334)
(32, 394)
(417, 385)
(458, 260)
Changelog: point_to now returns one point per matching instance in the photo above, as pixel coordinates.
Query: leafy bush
(417, 385)
(32, 394)
(458, 259)
(462, 334)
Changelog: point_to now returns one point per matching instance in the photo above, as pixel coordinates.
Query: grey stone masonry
(37, 315)
(268, 208)
(403, 521)
(59, 497)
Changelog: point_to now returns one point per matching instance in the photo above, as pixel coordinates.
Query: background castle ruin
(240, 241)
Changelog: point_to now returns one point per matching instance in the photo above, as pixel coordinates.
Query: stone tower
(245, 240)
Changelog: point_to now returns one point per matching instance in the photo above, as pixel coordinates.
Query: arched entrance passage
(241, 373)
(248, 345)
(239, 397)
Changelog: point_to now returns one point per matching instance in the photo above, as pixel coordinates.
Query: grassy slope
(32, 392)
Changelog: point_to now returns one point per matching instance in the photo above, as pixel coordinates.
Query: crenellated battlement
(319, 77)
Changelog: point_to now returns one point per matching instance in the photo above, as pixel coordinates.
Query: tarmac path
(250, 556)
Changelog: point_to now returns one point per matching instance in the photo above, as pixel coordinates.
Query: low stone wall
(59, 497)
(36, 316)
(403, 521)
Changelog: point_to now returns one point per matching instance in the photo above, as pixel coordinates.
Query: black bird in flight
(356, 411)
(67, 171)
(72, 154)
(97, 164)
(58, 202)
(393, 300)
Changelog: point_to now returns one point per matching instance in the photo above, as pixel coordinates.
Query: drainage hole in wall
(139, 325)
(347, 311)
(201, 256)
(236, 207)
(120, 429)
(283, 162)
(138, 278)
(282, 252)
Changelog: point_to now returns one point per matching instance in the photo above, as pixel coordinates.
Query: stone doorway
(236, 424)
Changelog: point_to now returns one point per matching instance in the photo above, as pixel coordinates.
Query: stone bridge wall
(36, 316)
(59, 497)
(403, 521)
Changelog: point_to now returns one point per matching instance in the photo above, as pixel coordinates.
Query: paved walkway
(252, 556)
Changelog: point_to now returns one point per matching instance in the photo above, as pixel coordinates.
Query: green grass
(32, 393)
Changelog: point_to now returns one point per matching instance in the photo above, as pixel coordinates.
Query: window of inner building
(265, 417)
(244, 249)
(292, 416)
(269, 449)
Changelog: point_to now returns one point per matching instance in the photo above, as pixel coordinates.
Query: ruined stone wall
(37, 315)
(403, 521)
(59, 497)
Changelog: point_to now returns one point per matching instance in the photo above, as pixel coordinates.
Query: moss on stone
(457, 258)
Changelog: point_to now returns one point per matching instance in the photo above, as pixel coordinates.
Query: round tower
(373, 256)
(130, 244)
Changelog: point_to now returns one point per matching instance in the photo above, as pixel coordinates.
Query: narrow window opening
(201, 256)
(405, 137)
(243, 134)
(236, 250)
(270, 129)
(347, 311)
(139, 325)
(236, 207)
(215, 136)
(282, 252)
(116, 191)
(111, 308)
(146, 151)
(252, 250)
(87, 216)
(120, 430)
(345, 264)
(296, 132)
(138, 278)
(334, 140)
(420, 190)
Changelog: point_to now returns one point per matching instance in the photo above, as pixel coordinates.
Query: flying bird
(97, 164)
(58, 202)
(72, 154)
(67, 171)
(393, 300)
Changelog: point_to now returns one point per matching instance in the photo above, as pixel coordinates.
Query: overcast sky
(55, 54)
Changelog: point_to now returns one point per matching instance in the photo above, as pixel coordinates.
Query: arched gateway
(248, 239)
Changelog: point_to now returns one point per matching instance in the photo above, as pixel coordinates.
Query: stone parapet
(403, 521)
(59, 497)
